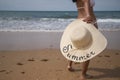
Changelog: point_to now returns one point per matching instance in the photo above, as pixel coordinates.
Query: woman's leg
(70, 66)
(85, 67)
(84, 70)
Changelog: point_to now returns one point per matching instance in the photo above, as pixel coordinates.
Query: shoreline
(50, 30)
(35, 40)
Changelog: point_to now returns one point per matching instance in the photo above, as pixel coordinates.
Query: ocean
(52, 20)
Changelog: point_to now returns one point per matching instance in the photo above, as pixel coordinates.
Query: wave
(52, 19)
(50, 23)
(109, 20)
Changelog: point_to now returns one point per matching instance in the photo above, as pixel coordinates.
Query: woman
(85, 12)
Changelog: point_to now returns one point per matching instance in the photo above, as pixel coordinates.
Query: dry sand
(49, 64)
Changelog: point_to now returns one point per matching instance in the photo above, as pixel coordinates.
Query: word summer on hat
(81, 41)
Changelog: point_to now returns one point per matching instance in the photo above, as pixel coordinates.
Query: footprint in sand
(32, 59)
(3, 56)
(45, 60)
(116, 53)
(2, 70)
(106, 56)
(8, 72)
(23, 72)
(20, 64)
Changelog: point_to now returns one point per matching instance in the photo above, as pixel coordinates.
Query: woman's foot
(84, 77)
(70, 68)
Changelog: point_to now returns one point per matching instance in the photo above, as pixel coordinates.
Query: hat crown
(80, 37)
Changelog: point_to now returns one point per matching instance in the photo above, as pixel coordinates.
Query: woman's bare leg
(84, 70)
(70, 66)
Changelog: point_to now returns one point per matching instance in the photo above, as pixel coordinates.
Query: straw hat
(81, 41)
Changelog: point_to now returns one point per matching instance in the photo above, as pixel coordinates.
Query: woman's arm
(89, 18)
(87, 7)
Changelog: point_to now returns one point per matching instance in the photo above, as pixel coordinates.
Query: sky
(55, 5)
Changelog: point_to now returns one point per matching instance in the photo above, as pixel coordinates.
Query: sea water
(52, 20)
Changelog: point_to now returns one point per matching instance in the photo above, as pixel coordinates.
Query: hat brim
(68, 50)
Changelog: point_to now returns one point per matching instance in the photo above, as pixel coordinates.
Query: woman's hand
(88, 19)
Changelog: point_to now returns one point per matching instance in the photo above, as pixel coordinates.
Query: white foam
(50, 24)
(109, 20)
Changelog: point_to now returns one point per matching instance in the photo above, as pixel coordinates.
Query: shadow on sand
(107, 73)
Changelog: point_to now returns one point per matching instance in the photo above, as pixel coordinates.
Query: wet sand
(49, 64)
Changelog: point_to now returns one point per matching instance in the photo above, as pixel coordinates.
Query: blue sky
(55, 5)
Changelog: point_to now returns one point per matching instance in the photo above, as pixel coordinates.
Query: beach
(49, 64)
(35, 55)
